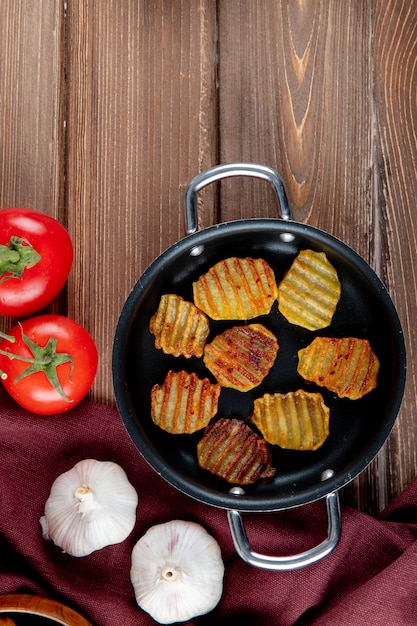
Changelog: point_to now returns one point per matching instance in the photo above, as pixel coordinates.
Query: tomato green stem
(17, 256)
(28, 359)
(12, 339)
(45, 359)
(7, 337)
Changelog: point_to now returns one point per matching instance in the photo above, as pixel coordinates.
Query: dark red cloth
(369, 580)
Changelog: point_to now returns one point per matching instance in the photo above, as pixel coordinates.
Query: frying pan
(358, 428)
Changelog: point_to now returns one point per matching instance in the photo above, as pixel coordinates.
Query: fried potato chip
(347, 366)
(236, 289)
(180, 328)
(184, 403)
(309, 292)
(233, 451)
(241, 356)
(297, 420)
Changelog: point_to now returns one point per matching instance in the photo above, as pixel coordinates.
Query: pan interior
(358, 428)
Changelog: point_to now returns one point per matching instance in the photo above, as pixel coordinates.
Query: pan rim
(190, 487)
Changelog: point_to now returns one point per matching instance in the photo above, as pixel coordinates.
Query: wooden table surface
(109, 108)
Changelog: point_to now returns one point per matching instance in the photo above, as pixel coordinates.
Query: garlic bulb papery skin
(177, 571)
(91, 506)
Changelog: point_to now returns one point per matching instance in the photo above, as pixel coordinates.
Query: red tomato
(59, 367)
(36, 255)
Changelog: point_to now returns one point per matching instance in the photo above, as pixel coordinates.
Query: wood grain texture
(31, 105)
(140, 122)
(32, 109)
(395, 163)
(290, 99)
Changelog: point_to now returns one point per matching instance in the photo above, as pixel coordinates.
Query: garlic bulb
(91, 506)
(177, 572)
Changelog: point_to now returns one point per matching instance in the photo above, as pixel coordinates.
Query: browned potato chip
(180, 328)
(184, 403)
(236, 289)
(346, 366)
(231, 450)
(297, 420)
(309, 292)
(241, 356)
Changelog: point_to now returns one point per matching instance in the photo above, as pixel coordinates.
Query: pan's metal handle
(295, 561)
(224, 171)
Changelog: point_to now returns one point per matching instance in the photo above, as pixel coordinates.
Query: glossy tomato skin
(34, 392)
(40, 284)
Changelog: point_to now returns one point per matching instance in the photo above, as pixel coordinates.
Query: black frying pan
(358, 428)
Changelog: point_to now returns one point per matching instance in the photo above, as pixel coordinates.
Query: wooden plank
(286, 98)
(141, 122)
(395, 162)
(296, 93)
(31, 64)
(31, 108)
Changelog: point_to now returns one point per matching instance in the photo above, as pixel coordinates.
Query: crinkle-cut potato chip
(180, 328)
(236, 289)
(297, 420)
(233, 451)
(184, 403)
(310, 290)
(241, 356)
(347, 366)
